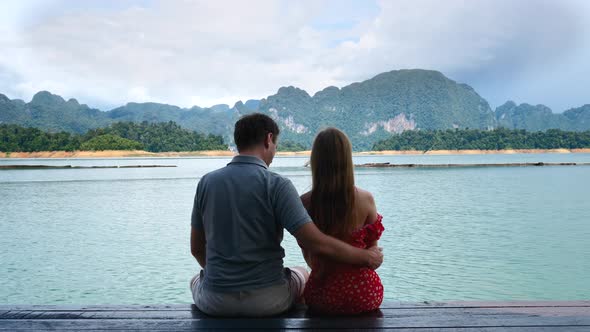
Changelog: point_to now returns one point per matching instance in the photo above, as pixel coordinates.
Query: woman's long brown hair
(332, 193)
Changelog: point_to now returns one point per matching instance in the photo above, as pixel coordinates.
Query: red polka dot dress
(345, 289)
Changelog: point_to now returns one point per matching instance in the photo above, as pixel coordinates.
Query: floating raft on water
(389, 165)
(77, 167)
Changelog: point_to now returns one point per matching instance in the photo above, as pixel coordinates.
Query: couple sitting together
(237, 227)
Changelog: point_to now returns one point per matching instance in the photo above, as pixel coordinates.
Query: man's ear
(268, 139)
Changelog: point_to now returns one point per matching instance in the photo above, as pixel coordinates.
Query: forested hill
(368, 111)
(540, 117)
(374, 109)
(50, 112)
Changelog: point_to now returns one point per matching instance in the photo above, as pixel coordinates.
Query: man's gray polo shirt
(243, 209)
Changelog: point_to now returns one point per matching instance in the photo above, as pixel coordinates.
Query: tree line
(290, 146)
(169, 136)
(153, 137)
(475, 139)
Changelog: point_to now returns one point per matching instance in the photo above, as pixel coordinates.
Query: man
(237, 227)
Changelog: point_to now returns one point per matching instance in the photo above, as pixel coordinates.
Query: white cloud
(503, 48)
(208, 52)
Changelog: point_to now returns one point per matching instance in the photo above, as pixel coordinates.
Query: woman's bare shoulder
(366, 206)
(364, 196)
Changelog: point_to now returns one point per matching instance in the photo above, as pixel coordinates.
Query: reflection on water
(96, 236)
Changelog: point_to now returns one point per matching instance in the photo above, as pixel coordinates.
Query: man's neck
(253, 153)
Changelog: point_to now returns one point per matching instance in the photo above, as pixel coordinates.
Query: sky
(106, 53)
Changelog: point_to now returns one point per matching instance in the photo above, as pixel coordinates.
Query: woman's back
(335, 288)
(363, 211)
(346, 212)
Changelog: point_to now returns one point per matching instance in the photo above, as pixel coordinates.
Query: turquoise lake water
(121, 236)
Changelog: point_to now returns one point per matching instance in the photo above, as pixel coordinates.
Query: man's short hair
(251, 130)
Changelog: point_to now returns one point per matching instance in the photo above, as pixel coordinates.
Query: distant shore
(225, 153)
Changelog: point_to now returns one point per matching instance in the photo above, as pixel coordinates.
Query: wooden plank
(301, 313)
(32, 315)
(400, 318)
(263, 324)
(460, 316)
(57, 315)
(458, 329)
(16, 314)
(386, 305)
(385, 313)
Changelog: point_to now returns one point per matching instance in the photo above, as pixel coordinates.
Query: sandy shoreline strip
(225, 153)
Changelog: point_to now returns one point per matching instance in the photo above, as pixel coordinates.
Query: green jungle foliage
(475, 139)
(290, 146)
(14, 138)
(160, 137)
(110, 142)
(153, 137)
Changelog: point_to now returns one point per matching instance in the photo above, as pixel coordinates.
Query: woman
(348, 213)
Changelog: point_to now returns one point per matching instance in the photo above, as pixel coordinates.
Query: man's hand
(375, 257)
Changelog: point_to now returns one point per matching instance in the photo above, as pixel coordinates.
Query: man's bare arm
(312, 239)
(198, 242)
(307, 256)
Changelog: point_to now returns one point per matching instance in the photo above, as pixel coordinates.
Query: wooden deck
(458, 316)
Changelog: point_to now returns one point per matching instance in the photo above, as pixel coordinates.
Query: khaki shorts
(257, 302)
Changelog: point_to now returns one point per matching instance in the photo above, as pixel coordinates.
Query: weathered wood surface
(77, 167)
(458, 316)
(389, 165)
